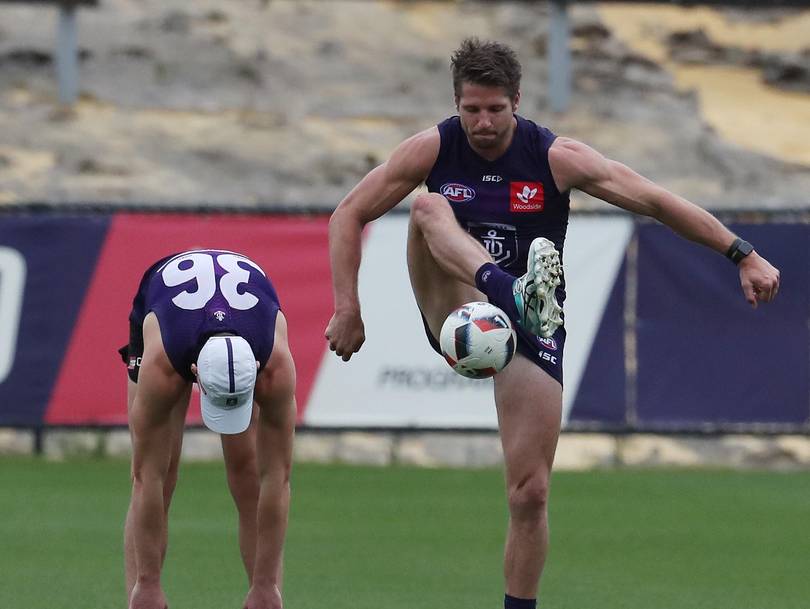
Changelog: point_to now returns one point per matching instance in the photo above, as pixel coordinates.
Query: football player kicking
(496, 177)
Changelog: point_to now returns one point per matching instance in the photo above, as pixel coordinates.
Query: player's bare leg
(433, 226)
(529, 405)
(528, 300)
(432, 232)
(529, 402)
(242, 471)
(156, 419)
(178, 421)
(275, 396)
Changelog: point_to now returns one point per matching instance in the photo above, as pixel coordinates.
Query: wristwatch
(739, 250)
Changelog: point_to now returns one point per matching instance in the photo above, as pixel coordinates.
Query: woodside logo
(526, 197)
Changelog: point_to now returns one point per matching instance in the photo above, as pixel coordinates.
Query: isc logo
(543, 355)
(457, 193)
(491, 179)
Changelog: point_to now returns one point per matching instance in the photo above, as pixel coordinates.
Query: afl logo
(457, 193)
(548, 343)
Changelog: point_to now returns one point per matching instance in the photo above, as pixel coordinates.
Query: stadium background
(245, 123)
(208, 112)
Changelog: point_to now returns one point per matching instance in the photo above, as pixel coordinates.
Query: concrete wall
(575, 451)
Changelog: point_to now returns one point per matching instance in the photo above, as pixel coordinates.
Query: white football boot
(539, 311)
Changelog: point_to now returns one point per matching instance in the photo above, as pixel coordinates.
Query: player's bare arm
(576, 165)
(377, 193)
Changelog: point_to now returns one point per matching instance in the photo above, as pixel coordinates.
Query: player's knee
(243, 479)
(169, 484)
(275, 386)
(529, 497)
(142, 477)
(428, 208)
(242, 469)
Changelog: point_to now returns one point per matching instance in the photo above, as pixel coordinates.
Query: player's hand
(345, 333)
(759, 279)
(263, 598)
(147, 596)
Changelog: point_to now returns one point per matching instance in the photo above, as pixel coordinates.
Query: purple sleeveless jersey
(505, 204)
(199, 293)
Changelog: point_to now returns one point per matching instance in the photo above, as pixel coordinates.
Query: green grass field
(401, 538)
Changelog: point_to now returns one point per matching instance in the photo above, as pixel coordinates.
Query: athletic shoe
(539, 311)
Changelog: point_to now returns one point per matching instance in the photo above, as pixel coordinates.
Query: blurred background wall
(246, 110)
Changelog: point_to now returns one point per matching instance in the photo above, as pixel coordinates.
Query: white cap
(226, 374)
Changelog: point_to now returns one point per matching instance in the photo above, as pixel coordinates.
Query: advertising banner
(705, 357)
(659, 339)
(397, 379)
(75, 277)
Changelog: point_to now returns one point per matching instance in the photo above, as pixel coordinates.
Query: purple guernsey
(505, 204)
(200, 293)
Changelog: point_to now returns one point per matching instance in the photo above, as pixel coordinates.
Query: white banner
(397, 380)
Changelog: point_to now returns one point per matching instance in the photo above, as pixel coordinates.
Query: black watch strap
(739, 250)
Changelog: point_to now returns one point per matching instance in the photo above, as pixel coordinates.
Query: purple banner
(705, 357)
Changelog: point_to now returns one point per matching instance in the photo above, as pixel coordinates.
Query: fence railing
(67, 44)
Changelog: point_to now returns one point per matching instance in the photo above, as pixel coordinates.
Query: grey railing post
(67, 54)
(559, 57)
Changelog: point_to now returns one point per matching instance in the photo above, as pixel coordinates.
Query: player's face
(487, 116)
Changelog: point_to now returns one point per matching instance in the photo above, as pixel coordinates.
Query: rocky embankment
(289, 103)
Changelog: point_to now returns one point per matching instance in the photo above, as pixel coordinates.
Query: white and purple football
(478, 340)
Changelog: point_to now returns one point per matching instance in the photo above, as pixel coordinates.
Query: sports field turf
(400, 538)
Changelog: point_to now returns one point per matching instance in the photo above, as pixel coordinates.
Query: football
(478, 340)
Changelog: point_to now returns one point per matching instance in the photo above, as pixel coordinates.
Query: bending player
(213, 317)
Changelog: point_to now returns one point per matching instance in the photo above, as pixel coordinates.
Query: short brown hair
(487, 63)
